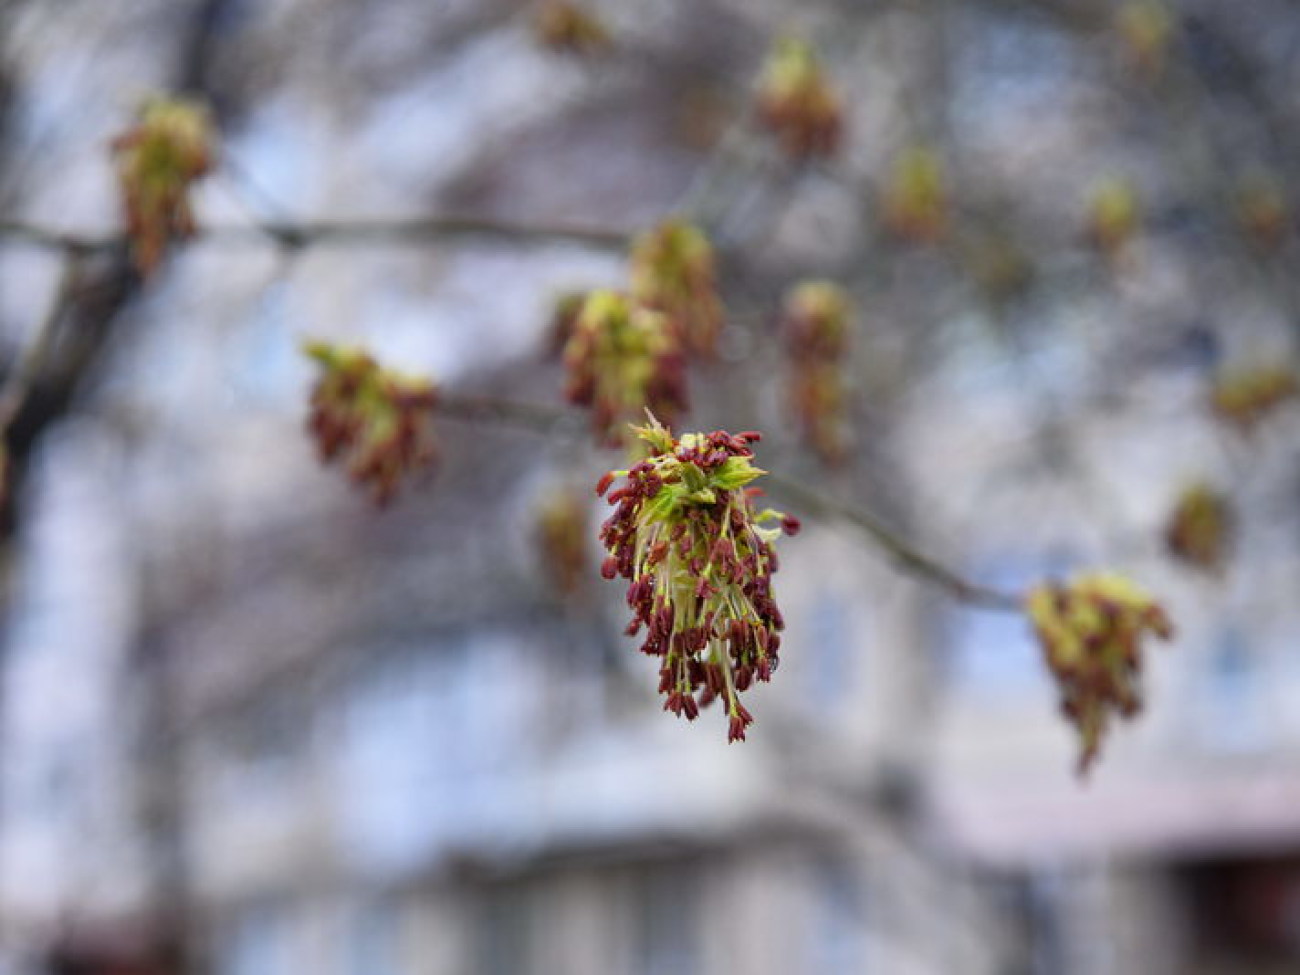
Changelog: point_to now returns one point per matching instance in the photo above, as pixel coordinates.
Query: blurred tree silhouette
(1093, 196)
(943, 212)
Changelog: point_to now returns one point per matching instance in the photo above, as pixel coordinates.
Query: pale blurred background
(252, 726)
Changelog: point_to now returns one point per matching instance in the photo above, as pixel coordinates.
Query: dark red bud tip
(791, 525)
(736, 730)
(609, 568)
(603, 484)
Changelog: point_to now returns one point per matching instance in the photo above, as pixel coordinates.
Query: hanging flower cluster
(1113, 216)
(562, 539)
(378, 421)
(673, 272)
(916, 199)
(1145, 27)
(1091, 633)
(1245, 397)
(567, 28)
(796, 102)
(1200, 529)
(622, 359)
(158, 160)
(699, 560)
(815, 322)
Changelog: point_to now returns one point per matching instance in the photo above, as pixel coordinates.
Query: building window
(1242, 912)
(1232, 715)
(258, 942)
(504, 932)
(837, 930)
(994, 656)
(263, 749)
(267, 365)
(374, 939)
(667, 913)
(830, 651)
(435, 742)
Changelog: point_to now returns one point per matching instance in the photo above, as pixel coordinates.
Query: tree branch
(907, 557)
(362, 231)
(541, 418)
(31, 363)
(533, 417)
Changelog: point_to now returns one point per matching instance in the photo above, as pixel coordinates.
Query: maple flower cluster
(699, 561)
(916, 199)
(377, 420)
(1146, 28)
(796, 102)
(621, 359)
(1114, 216)
(562, 539)
(815, 323)
(673, 272)
(567, 28)
(1091, 633)
(158, 161)
(1245, 397)
(1199, 531)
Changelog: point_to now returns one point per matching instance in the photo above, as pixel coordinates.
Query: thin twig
(908, 558)
(360, 231)
(56, 240)
(533, 417)
(541, 418)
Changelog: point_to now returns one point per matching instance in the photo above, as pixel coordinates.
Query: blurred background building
(252, 725)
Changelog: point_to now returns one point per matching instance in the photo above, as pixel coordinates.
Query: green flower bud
(673, 272)
(797, 103)
(1200, 528)
(158, 160)
(621, 359)
(816, 321)
(1246, 396)
(916, 199)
